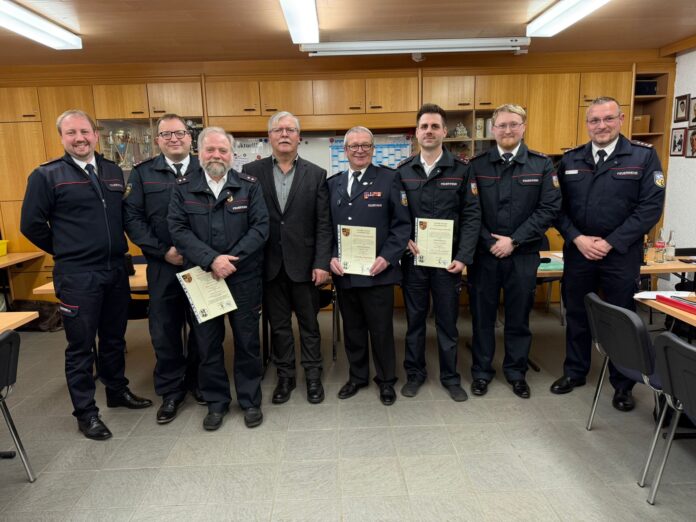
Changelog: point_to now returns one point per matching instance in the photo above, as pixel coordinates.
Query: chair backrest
(621, 333)
(9, 357)
(676, 366)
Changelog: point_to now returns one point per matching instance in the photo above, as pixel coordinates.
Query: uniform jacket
(620, 202)
(519, 200)
(379, 202)
(449, 193)
(300, 236)
(146, 204)
(64, 215)
(236, 223)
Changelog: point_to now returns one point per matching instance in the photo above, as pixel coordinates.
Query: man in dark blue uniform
(219, 222)
(437, 186)
(369, 196)
(613, 193)
(145, 210)
(72, 210)
(520, 197)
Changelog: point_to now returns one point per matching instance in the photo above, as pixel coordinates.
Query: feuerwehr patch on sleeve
(659, 178)
(129, 189)
(474, 188)
(404, 199)
(554, 180)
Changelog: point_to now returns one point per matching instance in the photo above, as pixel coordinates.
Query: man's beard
(216, 169)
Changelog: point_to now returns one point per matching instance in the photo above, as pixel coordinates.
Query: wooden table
(672, 311)
(652, 268)
(18, 257)
(138, 282)
(12, 320)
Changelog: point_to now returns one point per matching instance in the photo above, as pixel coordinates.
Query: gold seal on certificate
(356, 248)
(434, 241)
(209, 297)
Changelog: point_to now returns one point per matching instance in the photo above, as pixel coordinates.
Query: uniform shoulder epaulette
(331, 178)
(388, 167)
(182, 179)
(463, 161)
(404, 162)
(54, 160)
(537, 153)
(641, 144)
(248, 177)
(574, 148)
(104, 158)
(479, 155)
(148, 160)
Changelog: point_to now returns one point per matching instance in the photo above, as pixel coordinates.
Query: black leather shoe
(93, 428)
(520, 388)
(253, 417)
(387, 394)
(457, 392)
(565, 385)
(168, 411)
(213, 420)
(315, 391)
(623, 400)
(283, 390)
(410, 389)
(479, 387)
(127, 399)
(349, 389)
(198, 397)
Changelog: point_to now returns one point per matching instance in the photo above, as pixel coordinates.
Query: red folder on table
(686, 304)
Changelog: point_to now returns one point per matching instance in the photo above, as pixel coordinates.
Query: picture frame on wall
(691, 143)
(692, 111)
(681, 108)
(677, 145)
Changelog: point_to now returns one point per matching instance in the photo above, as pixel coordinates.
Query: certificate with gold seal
(434, 241)
(209, 297)
(357, 248)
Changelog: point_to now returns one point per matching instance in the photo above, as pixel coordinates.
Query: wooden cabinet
(19, 104)
(552, 112)
(233, 98)
(493, 91)
(294, 96)
(182, 98)
(24, 282)
(118, 102)
(618, 85)
(11, 211)
(344, 96)
(399, 94)
(21, 151)
(54, 102)
(452, 93)
(582, 137)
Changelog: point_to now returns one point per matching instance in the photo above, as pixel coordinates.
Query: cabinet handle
(588, 99)
(271, 110)
(375, 107)
(355, 108)
(141, 112)
(28, 115)
(463, 104)
(156, 111)
(250, 109)
(485, 103)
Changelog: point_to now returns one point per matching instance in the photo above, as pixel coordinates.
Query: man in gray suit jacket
(297, 254)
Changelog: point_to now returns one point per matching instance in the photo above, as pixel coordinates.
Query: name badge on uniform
(571, 172)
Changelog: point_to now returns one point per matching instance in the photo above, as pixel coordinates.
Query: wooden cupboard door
(582, 136)
(452, 93)
(618, 85)
(21, 151)
(54, 102)
(23, 284)
(19, 104)
(345, 96)
(233, 98)
(391, 94)
(552, 112)
(495, 90)
(183, 98)
(118, 102)
(294, 96)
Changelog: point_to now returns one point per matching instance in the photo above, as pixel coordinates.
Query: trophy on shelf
(120, 141)
(460, 131)
(146, 147)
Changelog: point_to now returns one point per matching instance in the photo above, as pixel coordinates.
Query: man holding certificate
(219, 222)
(445, 209)
(520, 197)
(371, 226)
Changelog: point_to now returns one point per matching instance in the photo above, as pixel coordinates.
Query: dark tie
(356, 183)
(178, 166)
(601, 154)
(507, 157)
(93, 178)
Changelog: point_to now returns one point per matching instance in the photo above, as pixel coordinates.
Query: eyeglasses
(512, 126)
(167, 135)
(608, 120)
(364, 146)
(287, 130)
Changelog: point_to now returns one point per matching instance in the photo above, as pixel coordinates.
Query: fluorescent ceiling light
(561, 16)
(513, 43)
(30, 25)
(301, 17)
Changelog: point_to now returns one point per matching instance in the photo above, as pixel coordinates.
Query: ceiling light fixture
(561, 16)
(513, 43)
(302, 21)
(37, 28)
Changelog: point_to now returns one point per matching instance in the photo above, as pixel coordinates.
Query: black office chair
(620, 335)
(676, 366)
(549, 282)
(9, 357)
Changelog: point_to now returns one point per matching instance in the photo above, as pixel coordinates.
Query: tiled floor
(427, 458)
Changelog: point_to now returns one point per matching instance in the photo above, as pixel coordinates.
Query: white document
(434, 240)
(209, 297)
(667, 293)
(357, 248)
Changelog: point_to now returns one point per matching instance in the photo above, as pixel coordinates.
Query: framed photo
(677, 145)
(682, 109)
(691, 143)
(692, 112)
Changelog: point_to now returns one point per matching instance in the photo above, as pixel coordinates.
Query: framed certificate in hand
(434, 241)
(209, 297)
(357, 248)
